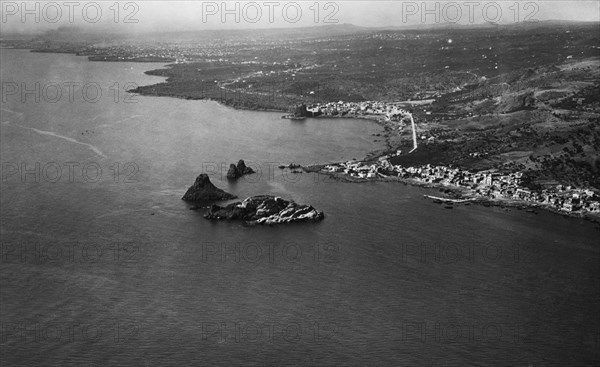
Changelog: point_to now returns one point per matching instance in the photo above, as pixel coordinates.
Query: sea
(103, 264)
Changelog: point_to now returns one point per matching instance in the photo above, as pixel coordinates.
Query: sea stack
(238, 171)
(233, 172)
(203, 189)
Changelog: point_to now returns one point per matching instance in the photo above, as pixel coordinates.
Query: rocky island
(265, 209)
(238, 171)
(203, 189)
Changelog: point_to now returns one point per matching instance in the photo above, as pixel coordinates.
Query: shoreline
(458, 193)
(208, 99)
(375, 119)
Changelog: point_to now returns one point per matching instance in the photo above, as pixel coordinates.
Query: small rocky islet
(238, 171)
(265, 209)
(204, 190)
(260, 209)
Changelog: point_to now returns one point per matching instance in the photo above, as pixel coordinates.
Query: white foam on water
(128, 118)
(11, 111)
(50, 133)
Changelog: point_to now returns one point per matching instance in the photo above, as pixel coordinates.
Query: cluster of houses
(180, 53)
(484, 184)
(391, 111)
(131, 52)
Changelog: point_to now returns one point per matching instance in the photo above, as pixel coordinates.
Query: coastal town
(489, 186)
(390, 111)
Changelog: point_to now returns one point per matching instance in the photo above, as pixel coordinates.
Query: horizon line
(107, 30)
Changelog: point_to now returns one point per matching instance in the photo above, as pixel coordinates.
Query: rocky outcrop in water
(238, 171)
(203, 189)
(265, 209)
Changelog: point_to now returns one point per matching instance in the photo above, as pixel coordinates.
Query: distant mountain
(487, 25)
(80, 34)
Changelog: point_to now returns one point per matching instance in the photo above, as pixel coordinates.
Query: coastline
(458, 193)
(165, 63)
(207, 99)
(143, 92)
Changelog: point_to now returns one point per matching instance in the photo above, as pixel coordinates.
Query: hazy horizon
(174, 16)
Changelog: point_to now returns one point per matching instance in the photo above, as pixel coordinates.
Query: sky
(172, 15)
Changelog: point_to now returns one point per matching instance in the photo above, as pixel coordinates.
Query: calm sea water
(103, 264)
